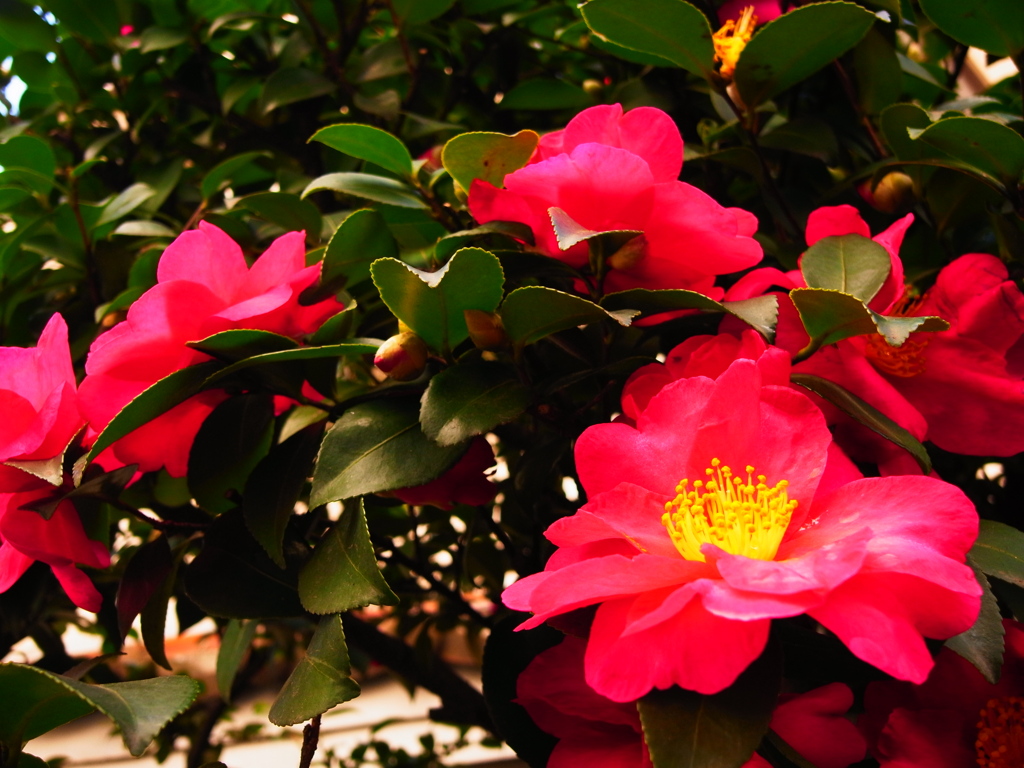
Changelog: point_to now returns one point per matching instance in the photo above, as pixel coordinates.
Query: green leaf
(368, 143)
(292, 84)
(343, 572)
(487, 156)
(877, 72)
(830, 316)
(866, 414)
(894, 122)
(543, 93)
(853, 264)
(533, 312)
(233, 644)
(361, 239)
(272, 489)
(365, 185)
(241, 343)
(999, 552)
(470, 399)
(982, 644)
(233, 578)
(98, 22)
(448, 244)
(126, 201)
(28, 161)
(357, 347)
(154, 401)
(671, 29)
(36, 701)
(569, 233)
(161, 38)
(144, 228)
(693, 730)
(377, 446)
(288, 211)
(761, 312)
(153, 618)
(321, 680)
(420, 11)
(221, 174)
(230, 443)
(432, 303)
(796, 45)
(996, 26)
(990, 147)
(25, 29)
(147, 570)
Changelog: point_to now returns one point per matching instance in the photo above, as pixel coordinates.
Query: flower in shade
(38, 401)
(464, 483)
(721, 511)
(613, 171)
(593, 730)
(955, 719)
(204, 286)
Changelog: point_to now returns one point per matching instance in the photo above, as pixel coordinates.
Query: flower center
(906, 360)
(731, 39)
(1000, 741)
(743, 517)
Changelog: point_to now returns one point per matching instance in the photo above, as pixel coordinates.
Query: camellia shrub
(670, 354)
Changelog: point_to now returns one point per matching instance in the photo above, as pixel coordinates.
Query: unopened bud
(630, 254)
(893, 194)
(593, 87)
(485, 329)
(402, 357)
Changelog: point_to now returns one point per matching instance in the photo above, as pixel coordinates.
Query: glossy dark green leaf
(994, 149)
(153, 617)
(125, 202)
(420, 11)
(894, 122)
(487, 156)
(242, 343)
(272, 489)
(230, 443)
(866, 414)
(544, 93)
(365, 185)
(449, 244)
(221, 174)
(533, 312)
(761, 313)
(25, 29)
(29, 162)
(149, 566)
(996, 26)
(288, 211)
(999, 552)
(432, 303)
(98, 22)
(470, 399)
(877, 72)
(144, 228)
(853, 264)
(569, 233)
(983, 644)
(154, 401)
(161, 38)
(830, 316)
(671, 29)
(361, 239)
(810, 136)
(796, 45)
(232, 577)
(36, 701)
(234, 643)
(685, 729)
(377, 446)
(367, 143)
(292, 84)
(321, 680)
(356, 347)
(343, 573)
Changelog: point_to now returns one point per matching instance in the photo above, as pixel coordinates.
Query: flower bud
(402, 357)
(485, 329)
(893, 194)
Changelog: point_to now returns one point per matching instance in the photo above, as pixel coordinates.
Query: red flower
(955, 719)
(717, 513)
(465, 483)
(611, 171)
(597, 732)
(204, 287)
(37, 397)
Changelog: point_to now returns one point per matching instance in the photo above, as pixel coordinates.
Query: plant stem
(310, 738)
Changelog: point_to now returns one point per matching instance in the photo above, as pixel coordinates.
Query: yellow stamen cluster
(743, 517)
(1000, 742)
(731, 39)
(908, 359)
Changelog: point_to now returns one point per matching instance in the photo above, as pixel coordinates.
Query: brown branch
(310, 738)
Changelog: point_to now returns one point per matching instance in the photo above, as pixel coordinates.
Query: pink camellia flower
(594, 731)
(204, 286)
(613, 171)
(465, 483)
(955, 719)
(38, 400)
(720, 511)
(764, 10)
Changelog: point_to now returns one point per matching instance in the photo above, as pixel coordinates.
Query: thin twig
(310, 739)
(865, 120)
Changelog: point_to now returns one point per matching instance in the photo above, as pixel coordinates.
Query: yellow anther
(731, 39)
(1000, 741)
